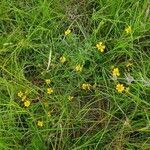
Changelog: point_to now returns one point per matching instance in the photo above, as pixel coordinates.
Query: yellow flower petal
(20, 94)
(101, 47)
(62, 59)
(40, 123)
(115, 72)
(128, 29)
(120, 87)
(49, 91)
(78, 68)
(48, 81)
(68, 31)
(86, 86)
(27, 103)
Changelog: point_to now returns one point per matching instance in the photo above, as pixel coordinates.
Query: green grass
(32, 40)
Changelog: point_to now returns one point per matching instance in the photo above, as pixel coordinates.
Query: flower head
(40, 123)
(27, 103)
(48, 81)
(20, 94)
(62, 59)
(100, 46)
(128, 29)
(68, 31)
(120, 87)
(86, 86)
(49, 91)
(70, 98)
(116, 72)
(78, 68)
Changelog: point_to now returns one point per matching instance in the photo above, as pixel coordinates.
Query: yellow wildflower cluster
(62, 59)
(48, 81)
(78, 68)
(20, 94)
(24, 99)
(115, 72)
(40, 123)
(120, 87)
(27, 103)
(100, 46)
(68, 31)
(86, 86)
(128, 29)
(49, 89)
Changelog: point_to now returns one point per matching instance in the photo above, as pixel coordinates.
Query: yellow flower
(86, 86)
(24, 98)
(70, 98)
(68, 31)
(129, 64)
(20, 94)
(128, 29)
(78, 68)
(27, 103)
(100, 46)
(116, 72)
(62, 59)
(49, 91)
(48, 81)
(120, 87)
(40, 123)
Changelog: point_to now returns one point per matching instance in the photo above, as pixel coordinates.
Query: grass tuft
(74, 74)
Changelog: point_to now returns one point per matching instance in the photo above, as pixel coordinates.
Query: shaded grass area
(31, 43)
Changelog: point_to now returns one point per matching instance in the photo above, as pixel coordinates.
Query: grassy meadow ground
(74, 75)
